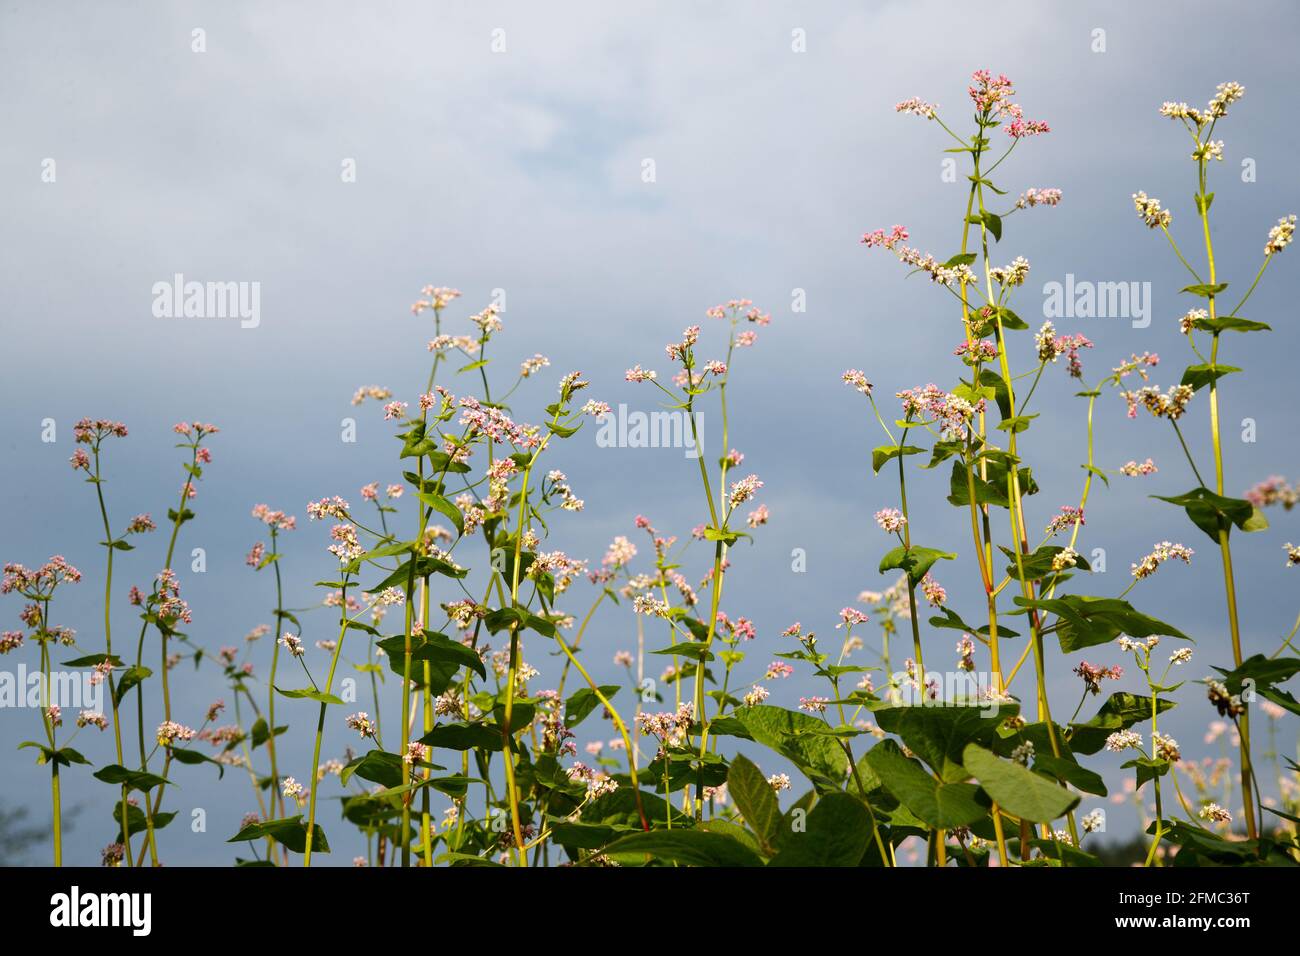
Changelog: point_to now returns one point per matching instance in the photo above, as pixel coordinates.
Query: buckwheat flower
(1149, 209)
(1134, 469)
(1215, 813)
(858, 380)
(375, 392)
(715, 367)
(1065, 558)
(651, 607)
(794, 630)
(1012, 275)
(849, 616)
(1165, 748)
(623, 659)
(292, 644)
(1210, 149)
(1019, 128)
(1226, 94)
(779, 781)
(1092, 675)
(744, 489)
(416, 752)
(890, 520)
(112, 855)
(814, 705)
(1226, 703)
(488, 320)
(334, 507)
(1164, 551)
(1093, 821)
(530, 365)
(746, 338)
(778, 670)
(346, 547)
(966, 654)
(1123, 740)
(1273, 490)
(879, 238)
(293, 790)
(80, 460)
(1038, 197)
(638, 374)
(54, 714)
(1189, 320)
(169, 732)
(757, 517)
(10, 641)
(1069, 515)
(1023, 753)
(395, 410)
(1279, 237)
(1181, 656)
(917, 107)
(934, 591)
(89, 717)
(1292, 559)
(981, 350)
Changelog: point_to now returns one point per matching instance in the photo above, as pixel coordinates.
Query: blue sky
(521, 170)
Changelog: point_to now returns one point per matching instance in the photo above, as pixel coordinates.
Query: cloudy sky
(502, 147)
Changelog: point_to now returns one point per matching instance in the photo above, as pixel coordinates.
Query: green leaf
(800, 738)
(290, 832)
(754, 798)
(463, 737)
(687, 847)
(886, 453)
(1211, 512)
(1263, 674)
(836, 833)
(1230, 323)
(940, 805)
(93, 659)
(993, 491)
(1087, 621)
(445, 508)
(994, 224)
(261, 732)
(1017, 424)
(1072, 773)
(310, 693)
(1120, 711)
(583, 702)
(1204, 290)
(914, 561)
(134, 779)
(1016, 789)
(130, 677)
(1039, 564)
(1198, 376)
(938, 734)
(377, 766)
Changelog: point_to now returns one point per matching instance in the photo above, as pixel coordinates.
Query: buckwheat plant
(1209, 509)
(38, 587)
(1025, 770)
(929, 736)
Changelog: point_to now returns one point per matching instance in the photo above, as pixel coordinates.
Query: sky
(504, 147)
